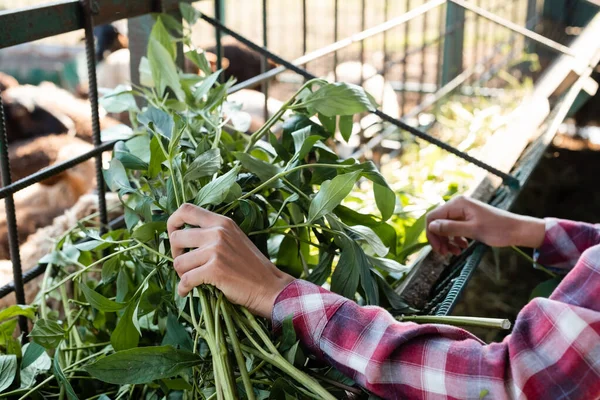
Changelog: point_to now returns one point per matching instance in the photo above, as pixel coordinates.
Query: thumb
(447, 227)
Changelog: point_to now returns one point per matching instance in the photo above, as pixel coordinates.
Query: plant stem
(237, 351)
(278, 361)
(535, 264)
(81, 271)
(151, 250)
(496, 323)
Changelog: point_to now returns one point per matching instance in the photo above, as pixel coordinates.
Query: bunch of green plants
(121, 330)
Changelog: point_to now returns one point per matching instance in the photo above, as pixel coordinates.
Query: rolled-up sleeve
(552, 353)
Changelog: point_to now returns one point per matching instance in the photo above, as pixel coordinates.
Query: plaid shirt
(552, 353)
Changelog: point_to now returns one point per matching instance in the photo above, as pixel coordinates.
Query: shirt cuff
(310, 307)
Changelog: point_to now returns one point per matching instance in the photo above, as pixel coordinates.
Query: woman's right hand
(449, 225)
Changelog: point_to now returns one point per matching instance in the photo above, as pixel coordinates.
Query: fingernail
(434, 225)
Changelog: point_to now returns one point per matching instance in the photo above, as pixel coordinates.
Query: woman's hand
(222, 255)
(449, 225)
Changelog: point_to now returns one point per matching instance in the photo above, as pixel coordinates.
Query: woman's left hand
(222, 255)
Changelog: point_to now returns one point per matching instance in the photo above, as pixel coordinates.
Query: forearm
(527, 231)
(405, 360)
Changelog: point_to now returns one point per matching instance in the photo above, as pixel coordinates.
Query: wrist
(529, 232)
(272, 293)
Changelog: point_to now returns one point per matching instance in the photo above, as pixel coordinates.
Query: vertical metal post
(335, 37)
(11, 222)
(304, 30)
(453, 43)
(93, 94)
(363, 19)
(423, 58)
(441, 41)
(476, 38)
(263, 60)
(386, 12)
(404, 61)
(219, 48)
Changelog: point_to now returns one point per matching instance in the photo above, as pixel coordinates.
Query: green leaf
(189, 13)
(386, 232)
(8, 370)
(414, 232)
(215, 191)
(339, 99)
(327, 122)
(118, 100)
(116, 176)
(385, 198)
(142, 365)
(388, 265)
(368, 235)
(204, 87)
(62, 379)
(345, 126)
(176, 335)
(32, 352)
(199, 60)
(395, 301)
(146, 73)
(110, 269)
(17, 310)
(116, 132)
(47, 333)
(129, 161)
(206, 164)
(35, 361)
(100, 302)
(162, 36)
(164, 71)
(157, 157)
(162, 122)
(149, 230)
(319, 275)
(139, 146)
(263, 170)
(347, 273)
(125, 335)
(288, 257)
(545, 288)
(331, 195)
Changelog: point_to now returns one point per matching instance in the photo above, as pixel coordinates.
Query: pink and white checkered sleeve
(565, 241)
(553, 352)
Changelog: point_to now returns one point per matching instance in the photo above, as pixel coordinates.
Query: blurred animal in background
(37, 205)
(41, 242)
(7, 81)
(242, 62)
(33, 111)
(109, 38)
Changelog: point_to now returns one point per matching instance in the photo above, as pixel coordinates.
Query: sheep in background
(37, 205)
(42, 242)
(33, 111)
(7, 81)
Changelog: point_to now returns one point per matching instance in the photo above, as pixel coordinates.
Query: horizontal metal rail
(507, 179)
(340, 44)
(53, 170)
(515, 27)
(19, 26)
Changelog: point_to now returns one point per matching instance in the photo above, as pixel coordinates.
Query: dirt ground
(564, 185)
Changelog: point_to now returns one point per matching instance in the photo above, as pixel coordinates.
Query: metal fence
(430, 49)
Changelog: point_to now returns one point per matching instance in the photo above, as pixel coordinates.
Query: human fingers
(193, 259)
(192, 215)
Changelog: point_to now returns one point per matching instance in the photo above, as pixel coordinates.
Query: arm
(565, 241)
(553, 351)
